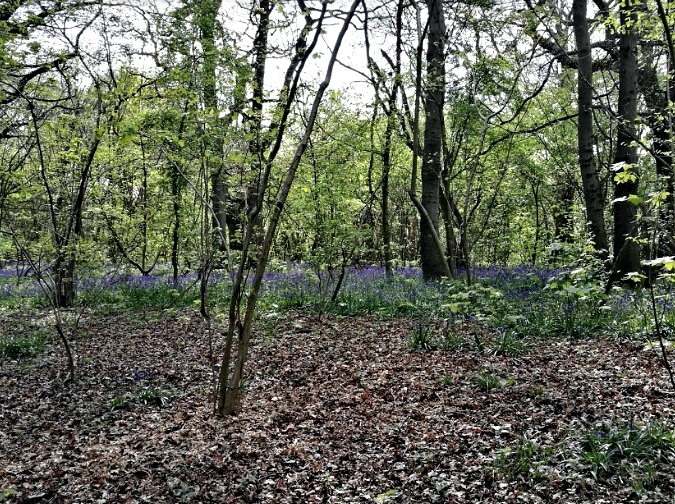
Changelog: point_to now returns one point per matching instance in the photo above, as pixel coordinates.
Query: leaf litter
(336, 410)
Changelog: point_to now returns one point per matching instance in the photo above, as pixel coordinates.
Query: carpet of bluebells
(525, 301)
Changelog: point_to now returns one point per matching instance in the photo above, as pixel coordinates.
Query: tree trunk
(537, 221)
(626, 249)
(229, 386)
(434, 265)
(386, 168)
(450, 238)
(175, 198)
(207, 11)
(66, 286)
(656, 100)
(589, 176)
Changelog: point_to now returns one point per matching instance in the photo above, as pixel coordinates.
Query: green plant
(421, 338)
(181, 491)
(508, 344)
(524, 458)
(534, 392)
(666, 277)
(647, 479)
(486, 381)
(267, 326)
(580, 292)
(21, 346)
(446, 380)
(153, 395)
(118, 402)
(628, 450)
(6, 493)
(451, 341)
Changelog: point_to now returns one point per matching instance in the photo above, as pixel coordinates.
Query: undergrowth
(518, 304)
(641, 457)
(16, 347)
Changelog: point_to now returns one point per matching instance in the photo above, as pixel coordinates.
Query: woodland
(337, 251)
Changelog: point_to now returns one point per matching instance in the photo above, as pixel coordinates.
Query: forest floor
(337, 410)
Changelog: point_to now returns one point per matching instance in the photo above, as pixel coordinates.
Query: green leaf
(667, 262)
(453, 307)
(385, 496)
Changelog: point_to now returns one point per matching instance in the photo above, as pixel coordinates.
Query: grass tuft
(509, 345)
(421, 338)
(524, 459)
(629, 451)
(486, 381)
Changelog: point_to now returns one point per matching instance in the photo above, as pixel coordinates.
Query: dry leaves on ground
(338, 410)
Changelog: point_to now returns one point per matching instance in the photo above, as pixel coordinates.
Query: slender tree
(229, 386)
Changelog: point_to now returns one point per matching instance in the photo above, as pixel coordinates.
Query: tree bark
(626, 249)
(589, 177)
(434, 265)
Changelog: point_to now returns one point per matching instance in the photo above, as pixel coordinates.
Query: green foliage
(641, 456)
(451, 341)
(508, 344)
(582, 298)
(182, 492)
(474, 300)
(525, 459)
(486, 381)
(629, 451)
(421, 338)
(152, 294)
(7, 493)
(325, 197)
(119, 402)
(16, 347)
(447, 380)
(152, 395)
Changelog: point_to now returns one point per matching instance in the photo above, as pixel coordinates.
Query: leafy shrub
(582, 301)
